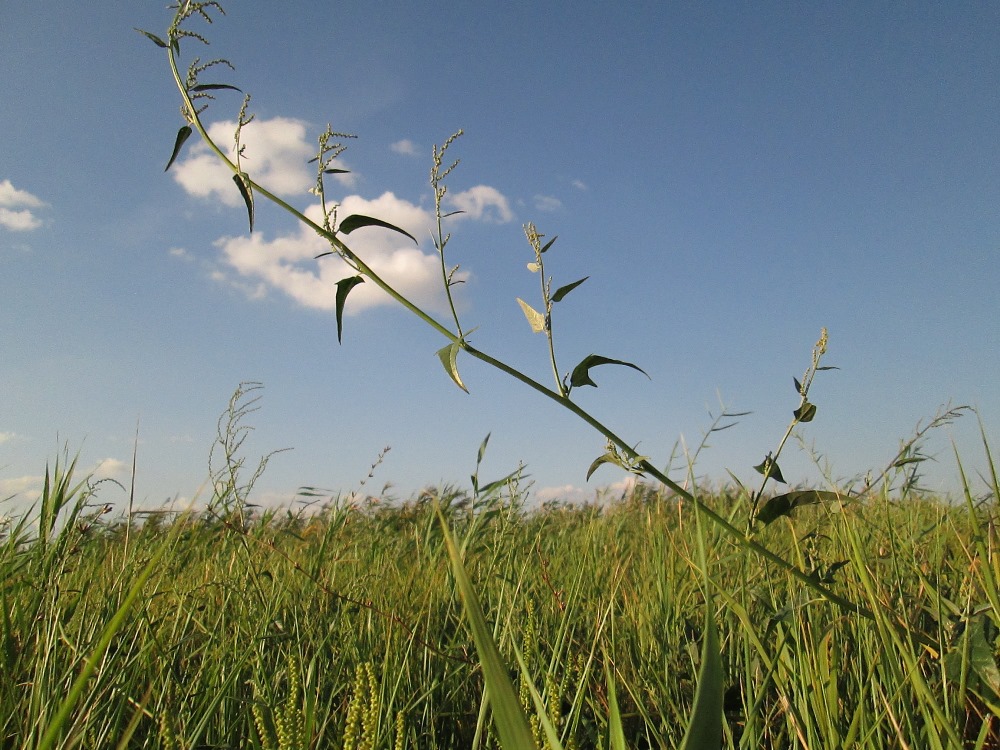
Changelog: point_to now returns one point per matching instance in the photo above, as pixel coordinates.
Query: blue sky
(731, 179)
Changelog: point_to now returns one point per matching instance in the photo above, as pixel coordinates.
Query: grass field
(342, 627)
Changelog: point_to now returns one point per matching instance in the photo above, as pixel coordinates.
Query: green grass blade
(705, 725)
(616, 733)
(511, 723)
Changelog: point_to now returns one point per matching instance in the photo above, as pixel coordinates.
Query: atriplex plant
(195, 96)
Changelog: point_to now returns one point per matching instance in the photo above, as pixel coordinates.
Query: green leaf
(511, 722)
(356, 221)
(535, 319)
(344, 287)
(215, 87)
(581, 373)
(616, 733)
(449, 358)
(182, 135)
(607, 458)
(243, 183)
(548, 244)
(336, 171)
(564, 290)
(806, 412)
(783, 505)
(156, 40)
(798, 386)
(769, 468)
(705, 725)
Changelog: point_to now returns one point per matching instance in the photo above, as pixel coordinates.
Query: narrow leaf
(616, 733)
(243, 183)
(769, 468)
(564, 290)
(356, 221)
(798, 386)
(783, 505)
(511, 722)
(806, 412)
(449, 358)
(336, 171)
(156, 40)
(705, 725)
(581, 373)
(549, 244)
(535, 319)
(182, 135)
(344, 287)
(215, 87)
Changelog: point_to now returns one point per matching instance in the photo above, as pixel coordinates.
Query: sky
(732, 179)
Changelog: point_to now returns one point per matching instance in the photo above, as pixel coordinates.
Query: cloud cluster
(406, 147)
(16, 208)
(276, 156)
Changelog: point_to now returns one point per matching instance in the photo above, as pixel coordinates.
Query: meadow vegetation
(674, 616)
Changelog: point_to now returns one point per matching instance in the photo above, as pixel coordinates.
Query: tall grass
(343, 628)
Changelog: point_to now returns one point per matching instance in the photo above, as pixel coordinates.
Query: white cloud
(483, 203)
(571, 494)
(21, 486)
(547, 203)
(579, 184)
(23, 220)
(276, 155)
(6, 437)
(287, 263)
(109, 468)
(406, 147)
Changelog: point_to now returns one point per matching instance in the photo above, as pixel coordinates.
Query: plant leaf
(156, 40)
(511, 722)
(607, 458)
(243, 183)
(344, 287)
(356, 221)
(616, 733)
(535, 319)
(769, 468)
(581, 373)
(548, 244)
(704, 728)
(806, 412)
(783, 505)
(449, 358)
(182, 135)
(798, 386)
(336, 171)
(564, 290)
(215, 87)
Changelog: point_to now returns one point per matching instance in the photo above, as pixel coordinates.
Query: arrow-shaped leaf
(704, 728)
(607, 458)
(548, 244)
(344, 287)
(535, 319)
(798, 386)
(783, 505)
(336, 171)
(449, 358)
(243, 183)
(806, 412)
(356, 221)
(182, 135)
(581, 373)
(564, 290)
(769, 468)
